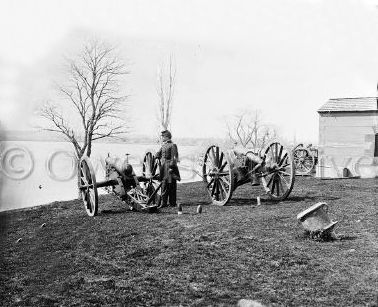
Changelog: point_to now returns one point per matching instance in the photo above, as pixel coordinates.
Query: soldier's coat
(168, 155)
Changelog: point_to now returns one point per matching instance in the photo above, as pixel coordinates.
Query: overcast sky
(285, 58)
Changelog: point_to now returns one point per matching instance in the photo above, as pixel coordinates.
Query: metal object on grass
(316, 221)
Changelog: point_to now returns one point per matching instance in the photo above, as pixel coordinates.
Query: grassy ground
(214, 258)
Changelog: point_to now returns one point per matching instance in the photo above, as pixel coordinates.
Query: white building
(348, 138)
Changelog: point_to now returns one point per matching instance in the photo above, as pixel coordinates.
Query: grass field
(214, 258)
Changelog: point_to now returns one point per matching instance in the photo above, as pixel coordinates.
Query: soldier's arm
(158, 154)
(175, 153)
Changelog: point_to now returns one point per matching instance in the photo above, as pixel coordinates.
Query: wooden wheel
(279, 171)
(151, 170)
(218, 175)
(304, 161)
(88, 186)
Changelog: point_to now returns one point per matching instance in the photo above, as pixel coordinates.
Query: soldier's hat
(166, 133)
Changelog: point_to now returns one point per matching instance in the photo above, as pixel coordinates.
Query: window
(376, 145)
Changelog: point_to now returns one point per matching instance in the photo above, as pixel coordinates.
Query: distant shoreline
(43, 136)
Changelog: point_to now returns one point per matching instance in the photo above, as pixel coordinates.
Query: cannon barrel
(107, 183)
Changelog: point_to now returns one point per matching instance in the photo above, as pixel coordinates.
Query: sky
(284, 57)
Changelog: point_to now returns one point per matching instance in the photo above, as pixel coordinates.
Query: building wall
(347, 140)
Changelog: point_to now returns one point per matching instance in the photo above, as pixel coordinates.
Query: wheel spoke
(84, 175)
(217, 156)
(220, 160)
(280, 153)
(273, 184)
(223, 166)
(213, 156)
(93, 200)
(221, 195)
(284, 172)
(224, 180)
(213, 189)
(284, 180)
(223, 187)
(281, 185)
(283, 159)
(277, 185)
(276, 152)
(154, 167)
(223, 174)
(210, 182)
(270, 181)
(217, 189)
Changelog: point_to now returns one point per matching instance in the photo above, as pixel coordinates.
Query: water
(35, 173)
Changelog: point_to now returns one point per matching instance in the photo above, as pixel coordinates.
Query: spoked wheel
(88, 186)
(304, 161)
(151, 170)
(279, 171)
(218, 175)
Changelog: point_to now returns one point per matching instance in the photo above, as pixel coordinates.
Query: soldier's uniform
(169, 172)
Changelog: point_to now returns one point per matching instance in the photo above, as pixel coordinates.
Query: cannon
(305, 159)
(223, 172)
(140, 193)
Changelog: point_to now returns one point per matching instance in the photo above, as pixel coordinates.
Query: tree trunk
(89, 148)
(78, 180)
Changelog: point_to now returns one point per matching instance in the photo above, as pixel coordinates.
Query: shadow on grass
(300, 198)
(239, 202)
(236, 202)
(312, 198)
(193, 204)
(305, 236)
(346, 238)
(114, 211)
(127, 211)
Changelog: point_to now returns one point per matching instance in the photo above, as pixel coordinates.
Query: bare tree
(246, 129)
(92, 99)
(166, 78)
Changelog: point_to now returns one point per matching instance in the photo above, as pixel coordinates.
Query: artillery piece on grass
(223, 172)
(305, 159)
(140, 193)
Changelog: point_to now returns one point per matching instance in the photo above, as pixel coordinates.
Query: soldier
(169, 173)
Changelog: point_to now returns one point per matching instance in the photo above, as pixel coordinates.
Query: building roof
(358, 104)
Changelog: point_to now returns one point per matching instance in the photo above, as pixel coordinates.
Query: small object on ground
(199, 209)
(40, 186)
(179, 208)
(249, 303)
(316, 222)
(18, 240)
(258, 200)
(43, 225)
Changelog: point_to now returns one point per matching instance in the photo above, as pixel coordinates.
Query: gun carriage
(305, 159)
(223, 172)
(140, 193)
